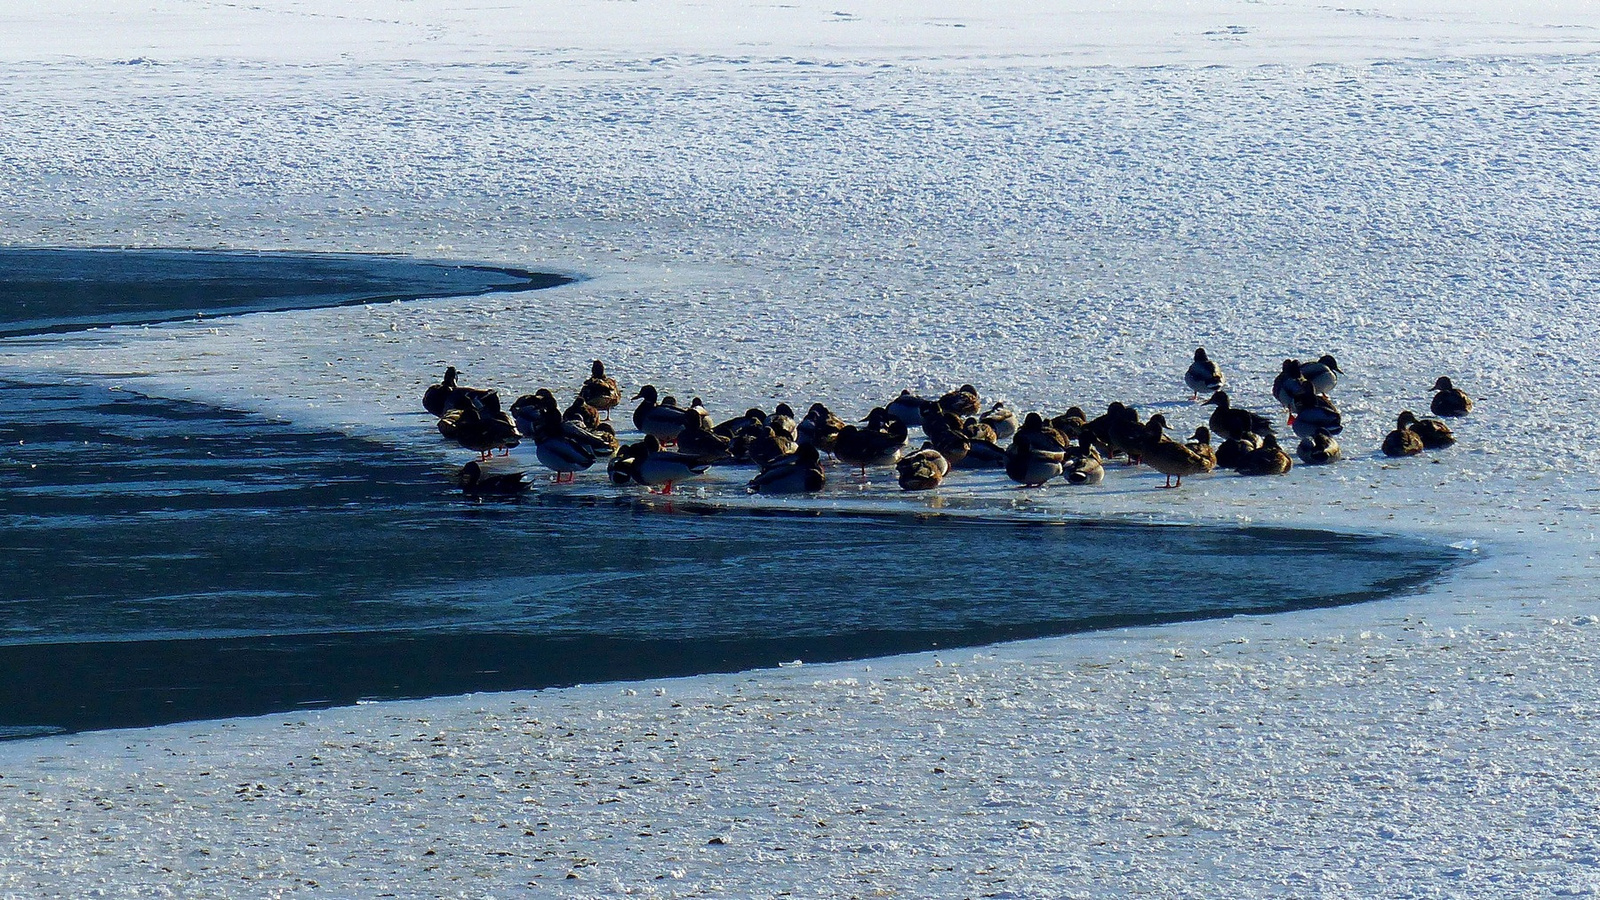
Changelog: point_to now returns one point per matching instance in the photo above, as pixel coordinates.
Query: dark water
(163, 561)
(49, 290)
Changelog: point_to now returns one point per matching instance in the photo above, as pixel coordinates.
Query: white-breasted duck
(1001, 419)
(923, 470)
(1322, 374)
(1435, 434)
(909, 408)
(1318, 449)
(1317, 413)
(561, 445)
(1203, 375)
(799, 472)
(1450, 401)
(1037, 453)
(648, 464)
(661, 421)
(600, 390)
(1083, 464)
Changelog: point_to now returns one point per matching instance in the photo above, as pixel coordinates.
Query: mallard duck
(662, 421)
(947, 436)
(1267, 459)
(820, 428)
(1450, 401)
(1083, 466)
(980, 455)
(909, 408)
(765, 445)
(1323, 374)
(963, 401)
(1435, 434)
(1125, 433)
(561, 445)
(1228, 421)
(1402, 441)
(1200, 443)
(922, 470)
(1287, 388)
(481, 425)
(600, 390)
(477, 480)
(648, 464)
(783, 422)
(878, 444)
(799, 472)
(1233, 450)
(1037, 453)
(733, 426)
(1203, 375)
(1317, 413)
(1318, 449)
(1167, 456)
(1070, 423)
(1001, 419)
(699, 441)
(447, 395)
(580, 412)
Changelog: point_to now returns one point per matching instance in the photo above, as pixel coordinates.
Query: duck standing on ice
(1203, 376)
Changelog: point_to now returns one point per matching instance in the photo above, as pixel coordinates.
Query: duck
(1233, 450)
(1200, 443)
(1001, 419)
(909, 408)
(578, 411)
(1287, 388)
(1070, 423)
(923, 470)
(1267, 459)
(1402, 441)
(1203, 375)
(1435, 434)
(1125, 433)
(447, 394)
(477, 480)
(648, 464)
(947, 436)
(733, 426)
(980, 455)
(783, 421)
(1228, 421)
(561, 445)
(662, 421)
(481, 425)
(765, 445)
(797, 473)
(1083, 464)
(600, 390)
(963, 401)
(1450, 401)
(1167, 456)
(820, 428)
(1318, 449)
(1037, 453)
(879, 443)
(698, 440)
(1317, 413)
(1323, 374)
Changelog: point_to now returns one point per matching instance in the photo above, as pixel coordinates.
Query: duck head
(1219, 400)
(648, 394)
(1443, 384)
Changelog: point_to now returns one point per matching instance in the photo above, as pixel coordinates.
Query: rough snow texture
(790, 213)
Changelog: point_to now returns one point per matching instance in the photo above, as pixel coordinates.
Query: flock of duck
(681, 442)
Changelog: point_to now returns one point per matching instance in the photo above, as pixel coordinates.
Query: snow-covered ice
(812, 201)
